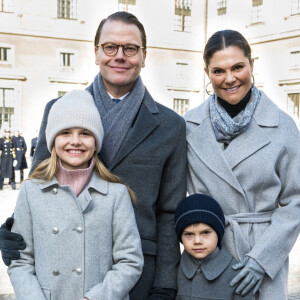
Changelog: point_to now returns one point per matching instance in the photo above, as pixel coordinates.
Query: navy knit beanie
(199, 208)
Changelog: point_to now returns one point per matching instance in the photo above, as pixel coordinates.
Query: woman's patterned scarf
(227, 128)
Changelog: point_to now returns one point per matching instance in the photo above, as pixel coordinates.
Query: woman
(241, 147)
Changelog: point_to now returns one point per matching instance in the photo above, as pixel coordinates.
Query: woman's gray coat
(85, 246)
(256, 180)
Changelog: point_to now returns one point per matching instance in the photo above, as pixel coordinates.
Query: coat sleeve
(22, 271)
(273, 248)
(172, 190)
(127, 254)
(41, 151)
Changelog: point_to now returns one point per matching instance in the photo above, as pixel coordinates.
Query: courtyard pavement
(7, 203)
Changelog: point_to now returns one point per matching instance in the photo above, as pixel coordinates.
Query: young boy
(205, 269)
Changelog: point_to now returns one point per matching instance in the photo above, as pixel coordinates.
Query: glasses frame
(123, 49)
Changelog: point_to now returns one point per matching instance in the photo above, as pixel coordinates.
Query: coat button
(54, 191)
(55, 272)
(55, 230)
(79, 229)
(78, 271)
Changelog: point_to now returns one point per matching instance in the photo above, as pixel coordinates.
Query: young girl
(76, 218)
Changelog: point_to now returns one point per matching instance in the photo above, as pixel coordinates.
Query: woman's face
(229, 71)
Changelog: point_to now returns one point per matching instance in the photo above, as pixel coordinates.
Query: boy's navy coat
(208, 278)
(152, 160)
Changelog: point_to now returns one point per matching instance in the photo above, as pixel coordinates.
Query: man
(20, 149)
(8, 155)
(144, 144)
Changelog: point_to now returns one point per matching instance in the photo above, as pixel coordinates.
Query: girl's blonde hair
(47, 169)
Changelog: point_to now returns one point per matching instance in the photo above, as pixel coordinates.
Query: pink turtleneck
(77, 179)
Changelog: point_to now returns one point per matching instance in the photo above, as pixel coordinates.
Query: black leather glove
(162, 294)
(250, 277)
(10, 242)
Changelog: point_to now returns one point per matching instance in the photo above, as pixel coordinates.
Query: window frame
(183, 107)
(183, 10)
(10, 54)
(6, 112)
(221, 7)
(130, 6)
(257, 12)
(73, 54)
(65, 14)
(292, 7)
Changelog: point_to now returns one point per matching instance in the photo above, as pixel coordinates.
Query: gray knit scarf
(227, 128)
(116, 117)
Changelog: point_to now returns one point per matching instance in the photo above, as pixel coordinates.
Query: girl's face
(229, 71)
(75, 147)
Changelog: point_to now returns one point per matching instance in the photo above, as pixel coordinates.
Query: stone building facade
(46, 49)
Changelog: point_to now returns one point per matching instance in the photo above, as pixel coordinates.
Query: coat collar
(84, 198)
(202, 138)
(144, 123)
(266, 113)
(212, 266)
(96, 183)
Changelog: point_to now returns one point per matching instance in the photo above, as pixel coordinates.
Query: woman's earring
(253, 80)
(207, 90)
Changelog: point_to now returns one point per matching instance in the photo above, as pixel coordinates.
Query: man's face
(120, 72)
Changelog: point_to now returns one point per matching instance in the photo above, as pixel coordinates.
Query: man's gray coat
(76, 246)
(256, 181)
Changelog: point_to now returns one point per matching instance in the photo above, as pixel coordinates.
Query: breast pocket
(148, 170)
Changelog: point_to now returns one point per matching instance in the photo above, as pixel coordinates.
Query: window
(4, 53)
(183, 12)
(221, 7)
(293, 103)
(61, 93)
(181, 106)
(66, 59)
(295, 8)
(127, 5)
(6, 106)
(181, 70)
(66, 9)
(295, 58)
(256, 12)
(7, 5)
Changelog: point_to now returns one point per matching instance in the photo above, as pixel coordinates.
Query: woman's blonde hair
(47, 169)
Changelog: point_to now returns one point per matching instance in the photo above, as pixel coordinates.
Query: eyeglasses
(129, 50)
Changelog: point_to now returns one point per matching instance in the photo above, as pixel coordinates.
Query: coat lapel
(203, 142)
(96, 183)
(246, 144)
(255, 137)
(142, 127)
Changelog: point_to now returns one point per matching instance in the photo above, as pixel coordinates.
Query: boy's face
(199, 240)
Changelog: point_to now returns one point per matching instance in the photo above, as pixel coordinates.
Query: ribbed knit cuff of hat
(77, 179)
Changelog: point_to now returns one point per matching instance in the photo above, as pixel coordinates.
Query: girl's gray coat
(76, 246)
(256, 180)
